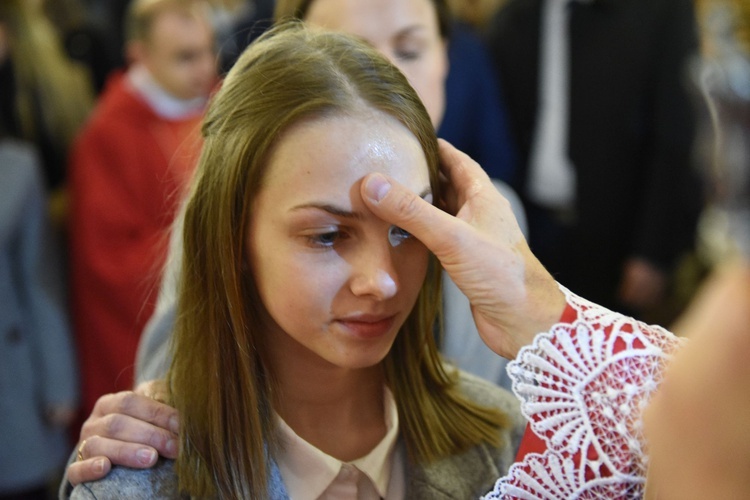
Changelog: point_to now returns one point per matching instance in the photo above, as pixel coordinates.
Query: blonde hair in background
(740, 13)
(219, 379)
(49, 86)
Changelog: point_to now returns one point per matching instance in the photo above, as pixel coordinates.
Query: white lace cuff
(582, 387)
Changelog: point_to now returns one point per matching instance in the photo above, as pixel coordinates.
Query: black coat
(631, 133)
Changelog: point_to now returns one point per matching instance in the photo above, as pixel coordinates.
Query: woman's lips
(367, 326)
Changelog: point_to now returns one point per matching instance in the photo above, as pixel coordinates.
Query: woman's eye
(407, 55)
(396, 235)
(324, 240)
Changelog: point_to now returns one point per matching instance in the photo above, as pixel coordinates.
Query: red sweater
(128, 171)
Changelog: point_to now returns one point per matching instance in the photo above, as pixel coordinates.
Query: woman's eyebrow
(410, 30)
(331, 209)
(341, 212)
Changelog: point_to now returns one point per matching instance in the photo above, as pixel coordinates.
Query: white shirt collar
(162, 102)
(308, 472)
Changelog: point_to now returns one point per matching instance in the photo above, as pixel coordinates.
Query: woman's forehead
(372, 19)
(334, 152)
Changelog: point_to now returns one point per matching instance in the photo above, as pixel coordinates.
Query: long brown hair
(219, 379)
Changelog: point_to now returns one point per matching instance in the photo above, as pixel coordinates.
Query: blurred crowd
(590, 110)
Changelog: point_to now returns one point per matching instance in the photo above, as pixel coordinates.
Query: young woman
(304, 355)
(413, 35)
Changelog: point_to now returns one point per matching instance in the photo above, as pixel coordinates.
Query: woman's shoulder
(486, 393)
(158, 482)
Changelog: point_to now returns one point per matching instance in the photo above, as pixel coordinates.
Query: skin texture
(480, 245)
(335, 289)
(405, 31)
(697, 424)
(130, 427)
(179, 54)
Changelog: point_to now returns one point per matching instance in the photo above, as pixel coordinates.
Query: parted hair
(220, 379)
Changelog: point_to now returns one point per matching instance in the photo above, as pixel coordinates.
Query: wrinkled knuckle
(87, 429)
(126, 401)
(155, 413)
(162, 414)
(112, 425)
(407, 206)
(92, 443)
(123, 455)
(155, 438)
(102, 403)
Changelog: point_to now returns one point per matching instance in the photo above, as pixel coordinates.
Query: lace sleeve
(582, 387)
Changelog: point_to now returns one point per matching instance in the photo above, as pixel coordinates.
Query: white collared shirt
(552, 176)
(162, 102)
(310, 474)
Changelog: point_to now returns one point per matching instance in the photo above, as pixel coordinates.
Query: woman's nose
(374, 273)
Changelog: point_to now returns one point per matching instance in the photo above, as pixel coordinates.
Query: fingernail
(172, 447)
(377, 187)
(174, 424)
(146, 456)
(98, 465)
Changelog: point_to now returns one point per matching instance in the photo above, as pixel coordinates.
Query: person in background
(458, 86)
(38, 376)
(85, 40)
(128, 170)
(599, 103)
(697, 424)
(45, 97)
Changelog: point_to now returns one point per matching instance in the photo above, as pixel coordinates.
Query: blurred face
(179, 53)
(337, 282)
(405, 31)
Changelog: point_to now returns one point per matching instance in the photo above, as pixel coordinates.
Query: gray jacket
(37, 365)
(460, 477)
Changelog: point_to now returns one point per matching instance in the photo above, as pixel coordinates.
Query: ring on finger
(80, 450)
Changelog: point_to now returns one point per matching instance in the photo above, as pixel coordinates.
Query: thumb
(402, 207)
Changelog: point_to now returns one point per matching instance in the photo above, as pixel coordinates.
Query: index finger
(139, 407)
